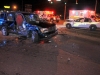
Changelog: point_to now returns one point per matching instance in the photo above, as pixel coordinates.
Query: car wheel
(35, 37)
(4, 31)
(93, 28)
(68, 26)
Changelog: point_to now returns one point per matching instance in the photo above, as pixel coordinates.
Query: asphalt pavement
(68, 53)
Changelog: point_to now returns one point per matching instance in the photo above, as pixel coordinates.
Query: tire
(35, 37)
(68, 26)
(4, 31)
(93, 28)
(29, 34)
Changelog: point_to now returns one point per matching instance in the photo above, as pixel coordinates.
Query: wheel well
(93, 25)
(68, 24)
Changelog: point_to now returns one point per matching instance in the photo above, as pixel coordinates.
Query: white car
(82, 23)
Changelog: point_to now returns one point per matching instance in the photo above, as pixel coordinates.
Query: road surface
(71, 52)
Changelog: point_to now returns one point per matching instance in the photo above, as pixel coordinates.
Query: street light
(14, 7)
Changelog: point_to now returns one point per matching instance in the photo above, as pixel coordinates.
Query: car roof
(16, 12)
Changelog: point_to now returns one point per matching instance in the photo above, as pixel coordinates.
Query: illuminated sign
(7, 7)
(49, 0)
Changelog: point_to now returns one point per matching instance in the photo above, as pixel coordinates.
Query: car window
(31, 17)
(10, 17)
(69, 20)
(79, 20)
(90, 20)
(87, 20)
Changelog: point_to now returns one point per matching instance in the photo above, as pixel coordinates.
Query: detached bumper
(48, 36)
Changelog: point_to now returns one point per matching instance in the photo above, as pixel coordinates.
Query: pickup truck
(26, 24)
(87, 23)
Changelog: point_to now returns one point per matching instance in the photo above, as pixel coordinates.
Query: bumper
(48, 36)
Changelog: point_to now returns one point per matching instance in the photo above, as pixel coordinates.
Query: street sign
(8, 7)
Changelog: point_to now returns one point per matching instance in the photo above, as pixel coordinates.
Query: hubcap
(33, 37)
(92, 27)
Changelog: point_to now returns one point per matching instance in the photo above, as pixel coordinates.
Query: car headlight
(44, 30)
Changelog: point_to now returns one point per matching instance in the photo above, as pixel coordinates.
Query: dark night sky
(57, 6)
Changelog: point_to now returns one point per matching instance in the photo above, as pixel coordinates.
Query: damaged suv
(26, 24)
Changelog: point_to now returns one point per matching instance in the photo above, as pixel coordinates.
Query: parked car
(87, 23)
(26, 24)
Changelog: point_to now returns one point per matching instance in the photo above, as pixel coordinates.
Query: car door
(87, 22)
(10, 20)
(79, 23)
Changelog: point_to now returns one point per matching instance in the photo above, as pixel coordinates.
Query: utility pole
(95, 6)
(65, 11)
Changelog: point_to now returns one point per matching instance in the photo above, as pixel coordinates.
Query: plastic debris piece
(55, 45)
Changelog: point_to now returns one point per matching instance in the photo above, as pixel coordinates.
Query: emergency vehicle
(44, 14)
(82, 19)
(48, 15)
(75, 14)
